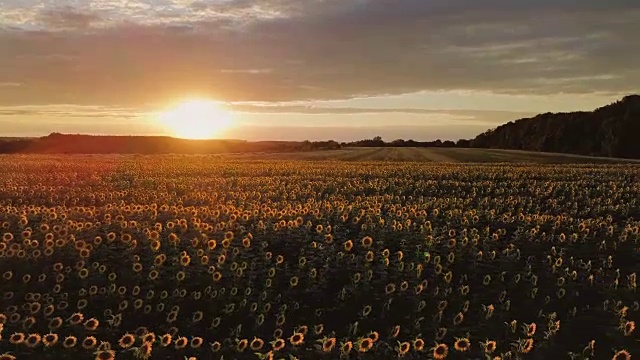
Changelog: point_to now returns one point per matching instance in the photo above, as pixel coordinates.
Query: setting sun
(196, 119)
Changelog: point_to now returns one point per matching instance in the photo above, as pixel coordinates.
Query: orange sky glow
(317, 70)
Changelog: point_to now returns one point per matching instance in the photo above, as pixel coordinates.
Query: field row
(446, 155)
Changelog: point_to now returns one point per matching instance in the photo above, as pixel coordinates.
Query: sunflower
(346, 347)
(126, 341)
(390, 288)
(441, 333)
(159, 259)
(448, 277)
(367, 241)
(215, 346)
(328, 344)
(105, 355)
(50, 339)
(374, 336)
(197, 316)
(629, 327)
(91, 324)
(145, 350)
(531, 329)
(16, 338)
(76, 318)
(440, 351)
(365, 344)
(185, 260)
(348, 245)
(328, 238)
(318, 329)
(7, 357)
(621, 355)
(32, 340)
(89, 342)
(181, 275)
(369, 256)
(104, 345)
(196, 342)
(462, 344)
(165, 340)
(149, 338)
(297, 339)
(181, 342)
(15, 317)
(256, 344)
(69, 342)
(82, 303)
(395, 331)
(457, 320)
(418, 344)
(527, 346)
(489, 346)
(278, 344)
(28, 322)
(242, 345)
(403, 348)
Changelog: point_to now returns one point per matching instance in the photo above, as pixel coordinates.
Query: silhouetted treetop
(612, 130)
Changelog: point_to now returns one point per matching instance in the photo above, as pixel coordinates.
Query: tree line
(611, 131)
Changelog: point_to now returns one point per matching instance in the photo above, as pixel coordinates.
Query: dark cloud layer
(323, 50)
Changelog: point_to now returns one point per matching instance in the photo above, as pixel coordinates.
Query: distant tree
(463, 143)
(607, 131)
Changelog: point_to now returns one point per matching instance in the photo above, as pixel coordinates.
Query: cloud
(70, 111)
(132, 53)
(490, 116)
(67, 18)
(114, 114)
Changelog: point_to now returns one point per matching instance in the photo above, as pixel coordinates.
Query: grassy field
(452, 155)
(198, 257)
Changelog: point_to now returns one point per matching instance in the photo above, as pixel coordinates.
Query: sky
(312, 69)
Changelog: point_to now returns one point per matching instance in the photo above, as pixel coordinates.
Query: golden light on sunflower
(69, 342)
(328, 344)
(126, 341)
(440, 351)
(527, 346)
(462, 344)
(365, 344)
(622, 355)
(629, 328)
(278, 344)
(256, 344)
(105, 355)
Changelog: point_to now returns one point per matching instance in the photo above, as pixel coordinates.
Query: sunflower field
(197, 257)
